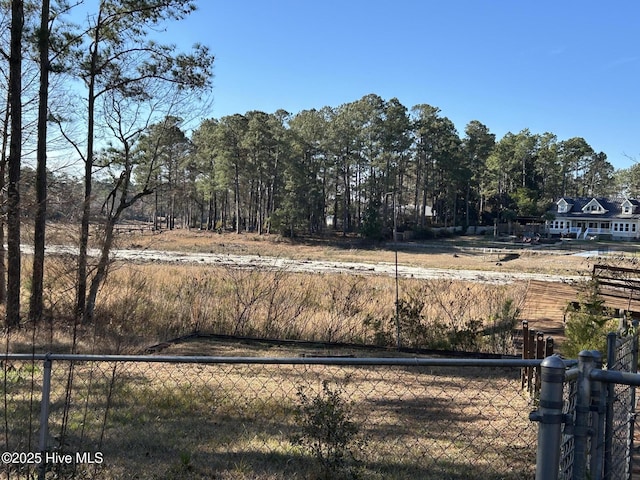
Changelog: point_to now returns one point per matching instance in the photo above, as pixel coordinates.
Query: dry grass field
(171, 421)
(145, 302)
(541, 302)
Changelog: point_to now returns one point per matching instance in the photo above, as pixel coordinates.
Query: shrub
(372, 223)
(415, 330)
(327, 431)
(588, 322)
(423, 233)
(501, 326)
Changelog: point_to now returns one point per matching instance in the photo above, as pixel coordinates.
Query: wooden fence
(534, 346)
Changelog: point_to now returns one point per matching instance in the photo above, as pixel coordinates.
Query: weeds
(154, 302)
(447, 315)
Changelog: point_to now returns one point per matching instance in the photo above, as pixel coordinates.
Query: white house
(590, 217)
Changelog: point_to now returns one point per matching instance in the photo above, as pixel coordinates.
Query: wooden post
(525, 350)
(531, 354)
(548, 347)
(540, 351)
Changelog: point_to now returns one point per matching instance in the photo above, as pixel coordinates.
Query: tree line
(360, 167)
(123, 103)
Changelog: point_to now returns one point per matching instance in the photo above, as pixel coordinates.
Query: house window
(626, 227)
(615, 227)
(605, 225)
(562, 224)
(592, 225)
(626, 210)
(633, 227)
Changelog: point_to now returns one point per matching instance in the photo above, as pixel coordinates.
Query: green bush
(328, 432)
(372, 223)
(588, 323)
(500, 327)
(423, 233)
(415, 330)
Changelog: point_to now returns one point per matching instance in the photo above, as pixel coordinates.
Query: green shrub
(423, 233)
(372, 222)
(501, 325)
(328, 433)
(415, 330)
(588, 323)
(418, 331)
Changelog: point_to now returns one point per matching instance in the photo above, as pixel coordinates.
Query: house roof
(612, 207)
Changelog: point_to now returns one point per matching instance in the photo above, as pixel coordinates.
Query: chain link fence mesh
(620, 415)
(622, 408)
(234, 421)
(570, 395)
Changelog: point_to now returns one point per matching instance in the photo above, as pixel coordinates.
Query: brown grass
(142, 304)
(147, 303)
(236, 422)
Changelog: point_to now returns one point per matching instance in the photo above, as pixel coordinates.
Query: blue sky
(567, 67)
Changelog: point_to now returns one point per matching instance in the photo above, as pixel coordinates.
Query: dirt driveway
(495, 275)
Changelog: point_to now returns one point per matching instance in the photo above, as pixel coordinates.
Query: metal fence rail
(150, 417)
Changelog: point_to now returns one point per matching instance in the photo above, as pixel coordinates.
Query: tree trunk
(81, 292)
(210, 217)
(346, 198)
(101, 270)
(15, 153)
(423, 212)
(155, 209)
(335, 200)
(172, 212)
(467, 199)
(35, 306)
(3, 172)
(237, 196)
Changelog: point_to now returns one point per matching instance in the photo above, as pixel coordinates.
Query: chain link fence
(569, 395)
(152, 417)
(587, 413)
(622, 357)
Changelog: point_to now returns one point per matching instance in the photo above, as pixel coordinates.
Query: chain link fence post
(586, 363)
(44, 417)
(632, 410)
(598, 402)
(550, 417)
(608, 435)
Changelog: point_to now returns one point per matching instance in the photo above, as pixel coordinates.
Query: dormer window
(593, 207)
(627, 207)
(563, 206)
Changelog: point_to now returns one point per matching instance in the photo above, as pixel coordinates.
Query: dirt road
(319, 266)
